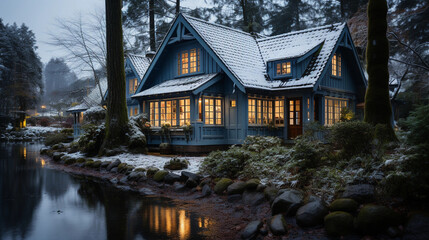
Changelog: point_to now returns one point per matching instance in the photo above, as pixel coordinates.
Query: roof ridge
(299, 32)
(136, 55)
(217, 25)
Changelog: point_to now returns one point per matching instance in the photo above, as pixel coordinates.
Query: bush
(68, 131)
(258, 143)
(307, 153)
(176, 164)
(55, 138)
(226, 163)
(44, 122)
(418, 125)
(90, 142)
(137, 139)
(95, 115)
(352, 137)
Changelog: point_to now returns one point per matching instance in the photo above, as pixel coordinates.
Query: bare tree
(84, 42)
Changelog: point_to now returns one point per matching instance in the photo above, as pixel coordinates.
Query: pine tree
(377, 100)
(117, 118)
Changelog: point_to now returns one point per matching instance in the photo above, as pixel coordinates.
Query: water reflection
(41, 203)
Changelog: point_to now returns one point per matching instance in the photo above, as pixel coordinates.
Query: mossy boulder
(140, 170)
(252, 184)
(70, 161)
(339, 223)
(56, 156)
(176, 164)
(374, 219)
(122, 168)
(96, 164)
(151, 171)
(80, 160)
(222, 185)
(89, 163)
(270, 193)
(236, 188)
(160, 175)
(344, 204)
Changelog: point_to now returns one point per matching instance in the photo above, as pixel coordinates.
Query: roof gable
(139, 64)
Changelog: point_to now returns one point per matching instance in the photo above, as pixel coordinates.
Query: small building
(209, 85)
(135, 68)
(93, 99)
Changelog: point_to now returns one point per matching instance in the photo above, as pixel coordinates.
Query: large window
(184, 112)
(212, 111)
(188, 61)
(260, 111)
(154, 114)
(333, 107)
(336, 65)
(279, 112)
(132, 86)
(168, 112)
(283, 68)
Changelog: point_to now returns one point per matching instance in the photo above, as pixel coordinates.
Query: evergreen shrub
(90, 142)
(352, 138)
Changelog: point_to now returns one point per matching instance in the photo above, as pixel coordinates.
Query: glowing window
(184, 112)
(168, 112)
(279, 113)
(252, 111)
(132, 86)
(188, 61)
(154, 114)
(283, 68)
(336, 65)
(333, 107)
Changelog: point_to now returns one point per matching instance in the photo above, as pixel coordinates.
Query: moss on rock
(374, 219)
(160, 175)
(339, 223)
(222, 185)
(344, 204)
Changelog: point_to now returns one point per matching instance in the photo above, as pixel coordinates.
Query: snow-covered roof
(140, 63)
(92, 99)
(178, 85)
(246, 56)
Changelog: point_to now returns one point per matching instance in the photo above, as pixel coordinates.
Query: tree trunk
(177, 7)
(377, 101)
(243, 4)
(152, 25)
(116, 118)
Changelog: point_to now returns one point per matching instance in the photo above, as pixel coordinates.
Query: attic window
(336, 65)
(188, 61)
(283, 68)
(132, 86)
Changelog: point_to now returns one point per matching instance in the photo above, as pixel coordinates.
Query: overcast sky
(40, 16)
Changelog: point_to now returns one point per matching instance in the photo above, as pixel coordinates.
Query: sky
(40, 16)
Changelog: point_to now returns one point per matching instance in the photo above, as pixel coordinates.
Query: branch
(399, 84)
(410, 48)
(410, 64)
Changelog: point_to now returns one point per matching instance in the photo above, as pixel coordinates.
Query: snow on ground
(145, 161)
(40, 129)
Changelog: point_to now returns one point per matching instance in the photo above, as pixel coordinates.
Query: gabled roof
(92, 99)
(178, 85)
(246, 57)
(140, 63)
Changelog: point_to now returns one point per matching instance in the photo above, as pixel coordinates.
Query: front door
(294, 122)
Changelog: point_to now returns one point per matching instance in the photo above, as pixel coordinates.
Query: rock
(185, 175)
(142, 177)
(263, 231)
(114, 180)
(105, 164)
(288, 202)
(205, 181)
(339, 223)
(151, 171)
(417, 227)
(44, 150)
(206, 190)
(56, 156)
(270, 193)
(178, 187)
(234, 198)
(278, 225)
(253, 198)
(123, 180)
(114, 170)
(170, 178)
(252, 184)
(114, 164)
(159, 176)
(260, 187)
(175, 164)
(311, 214)
(251, 230)
(362, 193)
(134, 176)
(344, 204)
(375, 219)
(96, 164)
(191, 183)
(236, 188)
(146, 191)
(222, 185)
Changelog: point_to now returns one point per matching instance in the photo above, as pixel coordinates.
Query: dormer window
(188, 61)
(283, 68)
(336, 65)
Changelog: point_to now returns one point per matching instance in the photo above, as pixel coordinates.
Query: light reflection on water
(40, 203)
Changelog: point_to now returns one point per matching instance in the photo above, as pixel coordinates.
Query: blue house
(135, 68)
(228, 84)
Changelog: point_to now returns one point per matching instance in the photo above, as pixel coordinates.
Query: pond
(37, 202)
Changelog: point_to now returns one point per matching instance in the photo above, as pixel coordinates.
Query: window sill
(336, 77)
(189, 74)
